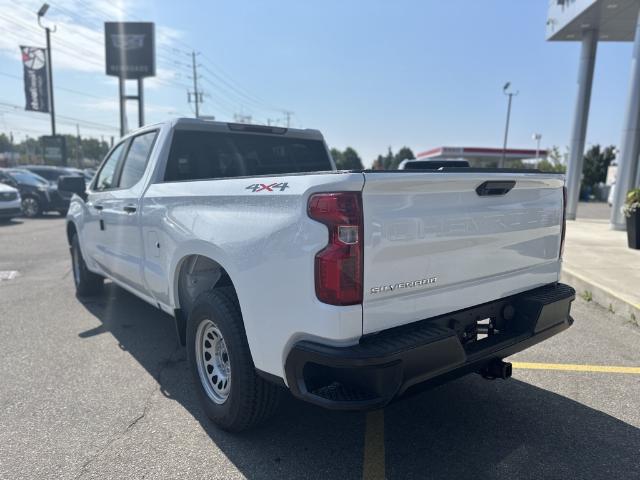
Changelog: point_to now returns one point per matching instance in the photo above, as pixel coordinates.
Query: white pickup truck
(348, 287)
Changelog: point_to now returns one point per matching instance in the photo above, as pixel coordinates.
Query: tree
(388, 160)
(545, 165)
(404, 153)
(347, 160)
(555, 162)
(337, 157)
(5, 143)
(351, 159)
(596, 163)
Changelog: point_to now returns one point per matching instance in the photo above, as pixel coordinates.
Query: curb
(602, 295)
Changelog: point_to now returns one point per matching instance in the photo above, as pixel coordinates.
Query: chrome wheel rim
(75, 260)
(30, 207)
(212, 357)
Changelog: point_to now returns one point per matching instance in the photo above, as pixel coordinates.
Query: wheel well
(199, 274)
(71, 231)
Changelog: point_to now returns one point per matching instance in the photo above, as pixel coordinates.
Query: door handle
(130, 209)
(98, 207)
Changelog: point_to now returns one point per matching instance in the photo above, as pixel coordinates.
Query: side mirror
(73, 184)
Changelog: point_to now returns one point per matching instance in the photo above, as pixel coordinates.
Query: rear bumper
(383, 366)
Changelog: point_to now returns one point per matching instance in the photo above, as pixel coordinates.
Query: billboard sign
(54, 148)
(130, 49)
(34, 63)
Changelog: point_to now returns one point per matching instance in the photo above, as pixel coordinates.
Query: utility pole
(52, 110)
(12, 161)
(287, 115)
(510, 94)
(197, 96)
(79, 146)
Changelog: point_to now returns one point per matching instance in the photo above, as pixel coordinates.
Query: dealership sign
(34, 62)
(130, 49)
(54, 149)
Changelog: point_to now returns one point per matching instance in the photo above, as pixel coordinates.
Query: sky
(369, 74)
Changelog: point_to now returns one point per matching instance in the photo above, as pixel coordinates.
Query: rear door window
(197, 155)
(136, 161)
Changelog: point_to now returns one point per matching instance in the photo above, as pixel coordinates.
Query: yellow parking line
(570, 367)
(373, 467)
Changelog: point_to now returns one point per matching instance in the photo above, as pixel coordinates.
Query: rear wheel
(31, 207)
(234, 397)
(86, 282)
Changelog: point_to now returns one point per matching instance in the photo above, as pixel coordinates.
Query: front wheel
(31, 207)
(86, 282)
(234, 397)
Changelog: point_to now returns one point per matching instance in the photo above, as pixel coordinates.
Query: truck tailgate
(433, 244)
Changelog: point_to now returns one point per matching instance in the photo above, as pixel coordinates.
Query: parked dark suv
(52, 174)
(38, 195)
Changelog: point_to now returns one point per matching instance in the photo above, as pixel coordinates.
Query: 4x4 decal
(261, 187)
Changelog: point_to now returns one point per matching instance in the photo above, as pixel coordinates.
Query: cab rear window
(198, 155)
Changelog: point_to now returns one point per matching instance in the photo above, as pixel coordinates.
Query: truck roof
(246, 127)
(199, 124)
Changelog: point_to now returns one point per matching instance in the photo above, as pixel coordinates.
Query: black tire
(87, 283)
(31, 207)
(251, 399)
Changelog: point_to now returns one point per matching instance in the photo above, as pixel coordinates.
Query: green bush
(632, 202)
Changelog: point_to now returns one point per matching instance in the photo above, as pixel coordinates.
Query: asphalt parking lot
(99, 389)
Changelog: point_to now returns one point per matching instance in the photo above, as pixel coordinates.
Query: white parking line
(8, 275)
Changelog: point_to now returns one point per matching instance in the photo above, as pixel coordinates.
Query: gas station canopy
(615, 20)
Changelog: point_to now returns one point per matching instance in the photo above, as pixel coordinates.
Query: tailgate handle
(495, 187)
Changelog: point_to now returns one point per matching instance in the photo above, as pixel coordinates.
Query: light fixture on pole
(537, 137)
(41, 13)
(510, 94)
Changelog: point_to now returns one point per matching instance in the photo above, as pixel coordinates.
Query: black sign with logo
(34, 61)
(54, 149)
(130, 49)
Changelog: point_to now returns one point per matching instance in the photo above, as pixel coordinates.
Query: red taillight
(338, 267)
(564, 220)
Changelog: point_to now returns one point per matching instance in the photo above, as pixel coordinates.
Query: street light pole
(506, 91)
(52, 110)
(537, 137)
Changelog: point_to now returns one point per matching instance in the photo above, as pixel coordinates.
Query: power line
(20, 109)
(224, 83)
(64, 89)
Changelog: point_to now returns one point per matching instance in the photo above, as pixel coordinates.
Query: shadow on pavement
(11, 222)
(473, 428)
(301, 441)
(469, 428)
